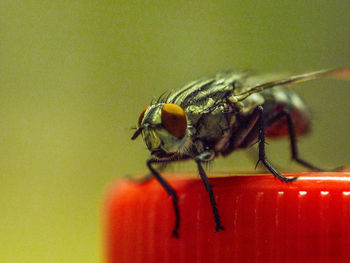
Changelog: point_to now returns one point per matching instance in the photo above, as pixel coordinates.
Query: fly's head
(165, 130)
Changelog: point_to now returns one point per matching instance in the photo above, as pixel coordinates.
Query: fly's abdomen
(278, 99)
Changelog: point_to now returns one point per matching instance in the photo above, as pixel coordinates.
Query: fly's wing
(343, 73)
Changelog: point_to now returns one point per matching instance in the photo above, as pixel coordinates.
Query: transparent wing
(342, 73)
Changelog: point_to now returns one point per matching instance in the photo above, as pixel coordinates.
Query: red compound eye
(142, 114)
(174, 120)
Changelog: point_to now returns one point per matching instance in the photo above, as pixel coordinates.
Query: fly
(218, 115)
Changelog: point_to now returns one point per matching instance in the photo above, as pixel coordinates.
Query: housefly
(218, 115)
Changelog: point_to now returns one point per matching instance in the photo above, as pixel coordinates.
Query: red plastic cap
(265, 220)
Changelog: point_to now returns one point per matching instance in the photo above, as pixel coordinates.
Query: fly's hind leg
(262, 156)
(293, 139)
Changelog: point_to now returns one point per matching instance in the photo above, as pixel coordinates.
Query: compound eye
(142, 114)
(174, 120)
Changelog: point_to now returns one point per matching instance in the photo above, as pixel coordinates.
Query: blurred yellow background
(74, 76)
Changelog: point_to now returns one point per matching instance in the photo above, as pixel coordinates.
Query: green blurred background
(74, 76)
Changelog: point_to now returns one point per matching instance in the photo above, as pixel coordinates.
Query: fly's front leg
(262, 156)
(199, 159)
(170, 192)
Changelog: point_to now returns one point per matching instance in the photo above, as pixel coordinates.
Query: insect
(218, 115)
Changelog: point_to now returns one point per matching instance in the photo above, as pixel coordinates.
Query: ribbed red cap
(265, 220)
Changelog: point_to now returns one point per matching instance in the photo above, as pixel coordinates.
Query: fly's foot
(284, 179)
(288, 179)
(338, 169)
(175, 234)
(219, 227)
(277, 174)
(318, 169)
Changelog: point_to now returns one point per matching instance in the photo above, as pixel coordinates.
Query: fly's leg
(170, 192)
(262, 156)
(199, 159)
(292, 138)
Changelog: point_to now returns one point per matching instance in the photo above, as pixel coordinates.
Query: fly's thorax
(212, 126)
(165, 130)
